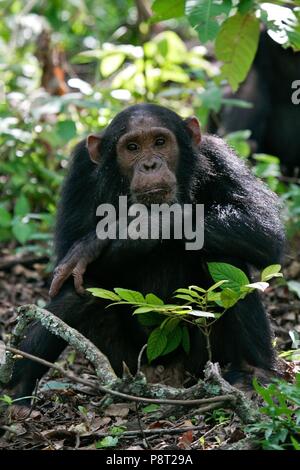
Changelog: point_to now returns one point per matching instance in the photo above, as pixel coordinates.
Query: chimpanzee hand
(82, 253)
(89, 248)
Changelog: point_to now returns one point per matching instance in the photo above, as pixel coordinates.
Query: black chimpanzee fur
(274, 120)
(242, 227)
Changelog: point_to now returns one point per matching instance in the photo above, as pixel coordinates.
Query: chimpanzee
(150, 154)
(274, 119)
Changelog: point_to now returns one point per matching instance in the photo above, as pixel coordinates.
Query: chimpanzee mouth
(156, 191)
(155, 195)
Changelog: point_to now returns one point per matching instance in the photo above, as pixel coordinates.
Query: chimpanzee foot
(243, 378)
(172, 375)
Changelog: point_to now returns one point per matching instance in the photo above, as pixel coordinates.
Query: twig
(212, 400)
(59, 328)
(137, 389)
(145, 442)
(140, 358)
(149, 432)
(8, 429)
(244, 408)
(195, 443)
(10, 262)
(51, 365)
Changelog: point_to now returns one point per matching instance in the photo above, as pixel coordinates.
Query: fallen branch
(59, 328)
(218, 400)
(9, 262)
(134, 389)
(244, 408)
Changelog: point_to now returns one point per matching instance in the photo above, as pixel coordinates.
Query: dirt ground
(67, 416)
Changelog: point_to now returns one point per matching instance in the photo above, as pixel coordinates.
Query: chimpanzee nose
(151, 164)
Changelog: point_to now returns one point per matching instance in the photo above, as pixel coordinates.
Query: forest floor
(67, 416)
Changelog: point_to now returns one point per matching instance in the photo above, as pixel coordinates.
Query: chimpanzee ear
(193, 126)
(93, 145)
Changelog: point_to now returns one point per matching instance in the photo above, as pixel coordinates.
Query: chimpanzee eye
(160, 141)
(132, 147)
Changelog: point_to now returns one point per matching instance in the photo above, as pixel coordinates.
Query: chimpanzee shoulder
(76, 208)
(231, 174)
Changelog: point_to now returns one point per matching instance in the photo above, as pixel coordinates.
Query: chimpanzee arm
(82, 253)
(235, 232)
(242, 216)
(86, 250)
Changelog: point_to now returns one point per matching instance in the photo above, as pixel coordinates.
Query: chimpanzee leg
(243, 336)
(108, 329)
(41, 343)
(117, 334)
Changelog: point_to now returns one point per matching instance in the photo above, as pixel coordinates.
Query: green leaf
(174, 340)
(21, 231)
(263, 392)
(236, 46)
(66, 130)
(271, 271)
(117, 430)
(170, 51)
(216, 285)
(5, 217)
(189, 298)
(163, 9)
(224, 271)
(199, 289)
(190, 292)
(238, 140)
(185, 341)
(131, 296)
(150, 408)
(111, 63)
(214, 296)
(169, 324)
(140, 310)
(245, 6)
(237, 103)
(106, 442)
(229, 298)
(211, 98)
(22, 206)
(104, 294)
(294, 286)
(150, 319)
(6, 399)
(153, 299)
(296, 444)
(202, 17)
(157, 342)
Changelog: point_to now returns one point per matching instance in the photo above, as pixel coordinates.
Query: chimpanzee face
(147, 156)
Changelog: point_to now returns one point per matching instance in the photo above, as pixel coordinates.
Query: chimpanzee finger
(60, 275)
(77, 273)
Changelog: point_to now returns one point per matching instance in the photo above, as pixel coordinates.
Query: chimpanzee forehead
(143, 120)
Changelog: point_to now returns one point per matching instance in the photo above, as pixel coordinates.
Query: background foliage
(68, 66)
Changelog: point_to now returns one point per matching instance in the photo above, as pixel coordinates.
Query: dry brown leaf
(185, 440)
(117, 409)
(161, 424)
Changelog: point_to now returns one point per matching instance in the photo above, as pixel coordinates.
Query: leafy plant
(292, 354)
(201, 307)
(107, 442)
(234, 26)
(6, 400)
(281, 424)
